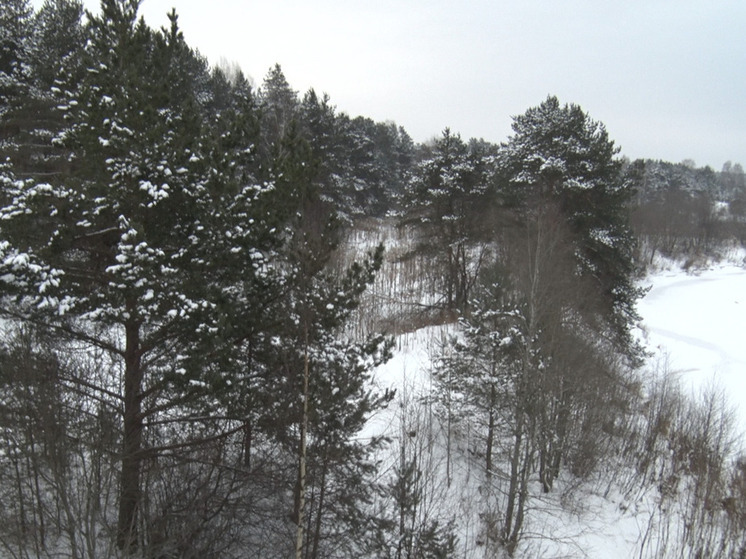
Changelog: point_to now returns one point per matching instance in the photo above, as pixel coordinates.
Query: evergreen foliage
(178, 372)
(447, 197)
(559, 155)
(680, 210)
(15, 53)
(161, 247)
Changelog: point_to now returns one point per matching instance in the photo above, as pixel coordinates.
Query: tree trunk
(462, 278)
(248, 437)
(301, 487)
(490, 432)
(513, 483)
(451, 280)
(522, 496)
(448, 430)
(563, 421)
(129, 480)
(320, 506)
(545, 457)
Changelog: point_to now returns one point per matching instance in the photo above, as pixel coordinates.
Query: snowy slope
(697, 323)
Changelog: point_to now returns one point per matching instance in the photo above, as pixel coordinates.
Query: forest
(200, 277)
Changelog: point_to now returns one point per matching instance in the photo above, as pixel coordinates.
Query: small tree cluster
(445, 200)
(683, 212)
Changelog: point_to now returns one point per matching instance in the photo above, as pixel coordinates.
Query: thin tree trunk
(563, 421)
(522, 495)
(248, 433)
(513, 483)
(545, 474)
(320, 506)
(39, 507)
(248, 439)
(451, 280)
(448, 431)
(21, 501)
(490, 432)
(462, 278)
(301, 495)
(402, 496)
(129, 488)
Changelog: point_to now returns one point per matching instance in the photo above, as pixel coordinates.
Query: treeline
(684, 212)
(176, 369)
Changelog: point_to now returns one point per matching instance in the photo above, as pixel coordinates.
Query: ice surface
(698, 323)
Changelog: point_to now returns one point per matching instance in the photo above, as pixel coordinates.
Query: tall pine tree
(154, 240)
(559, 155)
(446, 200)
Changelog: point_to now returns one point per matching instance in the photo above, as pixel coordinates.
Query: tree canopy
(559, 155)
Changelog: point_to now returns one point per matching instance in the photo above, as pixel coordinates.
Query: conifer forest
(201, 279)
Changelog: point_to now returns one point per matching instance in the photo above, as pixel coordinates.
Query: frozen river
(698, 322)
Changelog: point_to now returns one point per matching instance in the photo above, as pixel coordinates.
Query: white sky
(667, 77)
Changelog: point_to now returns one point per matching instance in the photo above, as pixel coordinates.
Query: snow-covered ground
(696, 323)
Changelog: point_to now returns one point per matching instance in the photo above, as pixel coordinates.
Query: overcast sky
(666, 77)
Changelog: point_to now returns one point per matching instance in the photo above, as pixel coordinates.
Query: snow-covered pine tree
(279, 107)
(447, 202)
(59, 39)
(17, 91)
(15, 52)
(361, 163)
(309, 388)
(558, 154)
(53, 49)
(153, 242)
(322, 128)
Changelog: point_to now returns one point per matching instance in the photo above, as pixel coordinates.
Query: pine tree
(54, 49)
(446, 197)
(321, 128)
(15, 52)
(59, 39)
(279, 107)
(17, 91)
(153, 235)
(558, 154)
(309, 388)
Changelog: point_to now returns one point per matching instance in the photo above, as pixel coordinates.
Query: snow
(407, 370)
(697, 323)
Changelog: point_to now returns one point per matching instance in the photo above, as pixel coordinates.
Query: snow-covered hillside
(694, 326)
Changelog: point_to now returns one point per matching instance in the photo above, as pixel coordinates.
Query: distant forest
(181, 374)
